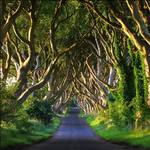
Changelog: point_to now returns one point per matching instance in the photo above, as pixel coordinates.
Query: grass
(10, 136)
(136, 137)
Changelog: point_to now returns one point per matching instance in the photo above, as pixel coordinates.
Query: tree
(132, 18)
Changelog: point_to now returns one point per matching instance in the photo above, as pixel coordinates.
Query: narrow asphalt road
(75, 134)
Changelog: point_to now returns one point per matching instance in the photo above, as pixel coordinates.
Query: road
(75, 134)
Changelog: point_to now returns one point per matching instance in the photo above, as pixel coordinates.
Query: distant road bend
(75, 134)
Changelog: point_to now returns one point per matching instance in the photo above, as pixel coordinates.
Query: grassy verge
(10, 136)
(136, 137)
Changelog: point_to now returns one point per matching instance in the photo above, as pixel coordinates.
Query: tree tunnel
(58, 51)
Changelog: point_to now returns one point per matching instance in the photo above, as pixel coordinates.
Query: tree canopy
(94, 51)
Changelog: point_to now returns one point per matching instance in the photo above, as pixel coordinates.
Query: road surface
(75, 134)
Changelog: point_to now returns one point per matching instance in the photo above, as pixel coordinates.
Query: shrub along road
(75, 134)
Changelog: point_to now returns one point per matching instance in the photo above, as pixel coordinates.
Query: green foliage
(21, 121)
(125, 70)
(112, 96)
(120, 113)
(140, 78)
(19, 127)
(129, 102)
(133, 137)
(116, 134)
(40, 110)
(40, 93)
(140, 100)
(7, 92)
(7, 99)
(23, 24)
(13, 136)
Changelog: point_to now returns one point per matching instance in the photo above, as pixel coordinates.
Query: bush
(40, 110)
(7, 101)
(21, 121)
